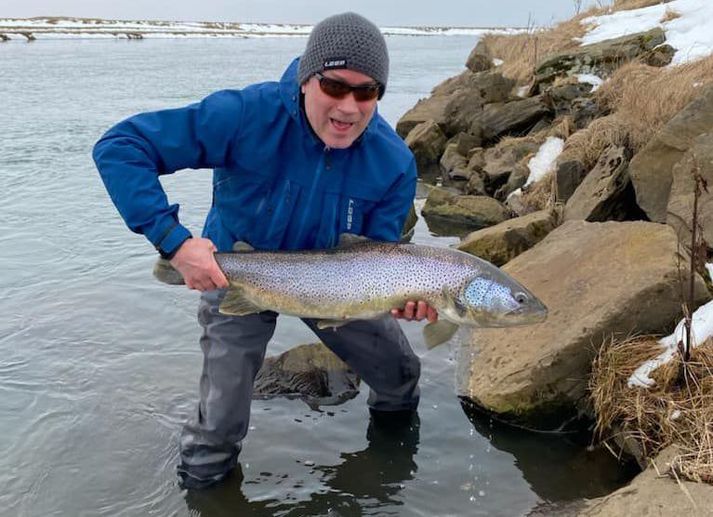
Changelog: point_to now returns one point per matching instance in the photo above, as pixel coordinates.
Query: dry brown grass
(645, 98)
(586, 145)
(677, 410)
(522, 52)
(626, 5)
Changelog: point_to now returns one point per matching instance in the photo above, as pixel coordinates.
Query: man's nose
(348, 104)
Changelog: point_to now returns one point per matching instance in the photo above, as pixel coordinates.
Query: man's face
(338, 122)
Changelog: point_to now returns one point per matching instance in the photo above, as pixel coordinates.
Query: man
(296, 164)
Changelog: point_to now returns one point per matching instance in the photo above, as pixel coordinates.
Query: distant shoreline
(58, 27)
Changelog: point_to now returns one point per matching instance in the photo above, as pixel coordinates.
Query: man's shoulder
(388, 142)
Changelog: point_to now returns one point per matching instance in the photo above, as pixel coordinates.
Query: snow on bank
(544, 161)
(690, 34)
(701, 329)
(55, 28)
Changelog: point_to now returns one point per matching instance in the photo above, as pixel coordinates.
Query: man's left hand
(416, 311)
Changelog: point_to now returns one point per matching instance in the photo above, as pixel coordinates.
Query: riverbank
(574, 157)
(30, 29)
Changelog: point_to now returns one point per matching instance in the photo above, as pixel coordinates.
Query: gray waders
(234, 348)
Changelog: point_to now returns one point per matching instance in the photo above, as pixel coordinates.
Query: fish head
(497, 300)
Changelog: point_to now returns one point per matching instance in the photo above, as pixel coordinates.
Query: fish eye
(520, 297)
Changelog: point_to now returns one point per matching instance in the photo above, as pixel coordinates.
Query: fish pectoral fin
(166, 273)
(325, 324)
(439, 332)
(235, 304)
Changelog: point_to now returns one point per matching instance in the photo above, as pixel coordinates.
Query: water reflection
(363, 482)
(558, 467)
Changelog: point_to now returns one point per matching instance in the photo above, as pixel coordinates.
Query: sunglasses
(339, 89)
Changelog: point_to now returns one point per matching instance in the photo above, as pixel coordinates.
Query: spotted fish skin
(368, 279)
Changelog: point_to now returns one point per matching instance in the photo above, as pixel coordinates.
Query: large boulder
(427, 143)
(503, 242)
(599, 58)
(569, 174)
(653, 492)
(498, 162)
(601, 194)
(651, 169)
(680, 203)
(598, 280)
(433, 108)
(309, 372)
(473, 212)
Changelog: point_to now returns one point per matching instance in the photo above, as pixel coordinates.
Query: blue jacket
(275, 185)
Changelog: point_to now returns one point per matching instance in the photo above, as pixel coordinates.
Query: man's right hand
(195, 261)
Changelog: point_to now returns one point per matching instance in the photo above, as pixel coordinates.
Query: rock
(583, 110)
(310, 372)
(463, 106)
(680, 202)
(659, 56)
(427, 142)
(517, 179)
(452, 159)
(465, 142)
(560, 96)
(568, 175)
(409, 228)
(501, 243)
(480, 58)
(432, 108)
(651, 169)
(4, 37)
(475, 185)
(654, 493)
(598, 280)
(512, 118)
(600, 195)
(474, 212)
(502, 159)
(599, 58)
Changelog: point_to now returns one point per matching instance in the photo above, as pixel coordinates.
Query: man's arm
(131, 156)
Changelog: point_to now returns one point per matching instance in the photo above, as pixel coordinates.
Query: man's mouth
(341, 125)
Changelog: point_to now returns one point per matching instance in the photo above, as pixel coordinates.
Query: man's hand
(195, 261)
(416, 311)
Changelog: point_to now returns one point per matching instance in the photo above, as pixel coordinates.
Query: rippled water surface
(99, 364)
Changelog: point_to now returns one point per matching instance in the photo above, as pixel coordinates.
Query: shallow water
(99, 364)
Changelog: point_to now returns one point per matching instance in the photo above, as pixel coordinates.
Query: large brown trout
(363, 280)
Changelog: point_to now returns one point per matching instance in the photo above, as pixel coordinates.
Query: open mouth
(340, 125)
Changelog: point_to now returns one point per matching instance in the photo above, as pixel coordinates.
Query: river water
(99, 364)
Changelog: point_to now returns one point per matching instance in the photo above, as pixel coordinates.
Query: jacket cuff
(169, 244)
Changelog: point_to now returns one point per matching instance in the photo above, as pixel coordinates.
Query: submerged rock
(473, 212)
(310, 372)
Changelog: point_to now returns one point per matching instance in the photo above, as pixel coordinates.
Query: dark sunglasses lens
(339, 90)
(366, 93)
(333, 88)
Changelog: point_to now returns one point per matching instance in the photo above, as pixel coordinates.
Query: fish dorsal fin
(439, 332)
(346, 240)
(242, 246)
(235, 304)
(166, 273)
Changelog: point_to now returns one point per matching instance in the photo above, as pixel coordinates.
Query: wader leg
(378, 351)
(233, 351)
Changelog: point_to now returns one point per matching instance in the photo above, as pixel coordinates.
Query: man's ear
(302, 88)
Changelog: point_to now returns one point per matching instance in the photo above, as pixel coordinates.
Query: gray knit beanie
(348, 41)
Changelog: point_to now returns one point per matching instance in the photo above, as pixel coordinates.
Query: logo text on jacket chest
(350, 214)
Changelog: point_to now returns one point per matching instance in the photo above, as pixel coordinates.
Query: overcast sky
(471, 13)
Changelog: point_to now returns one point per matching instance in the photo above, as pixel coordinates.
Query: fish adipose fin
(241, 246)
(325, 324)
(235, 304)
(166, 273)
(439, 332)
